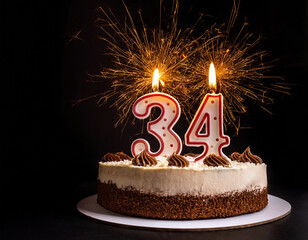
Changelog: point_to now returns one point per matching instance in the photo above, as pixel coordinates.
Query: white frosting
(197, 179)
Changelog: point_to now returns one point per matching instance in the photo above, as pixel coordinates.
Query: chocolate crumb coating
(123, 156)
(177, 160)
(215, 160)
(110, 157)
(144, 159)
(235, 156)
(247, 156)
(132, 202)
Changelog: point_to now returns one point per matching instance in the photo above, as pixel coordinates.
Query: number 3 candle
(210, 114)
(162, 126)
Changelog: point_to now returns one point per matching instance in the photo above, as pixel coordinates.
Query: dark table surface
(58, 218)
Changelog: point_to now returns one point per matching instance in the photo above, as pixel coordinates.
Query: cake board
(276, 209)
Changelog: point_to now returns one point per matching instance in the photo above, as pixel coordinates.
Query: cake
(177, 187)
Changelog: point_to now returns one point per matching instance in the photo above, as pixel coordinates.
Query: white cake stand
(277, 208)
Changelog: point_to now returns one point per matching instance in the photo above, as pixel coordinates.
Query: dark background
(50, 150)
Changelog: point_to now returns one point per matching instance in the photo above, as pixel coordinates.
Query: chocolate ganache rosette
(246, 156)
(177, 160)
(215, 160)
(144, 159)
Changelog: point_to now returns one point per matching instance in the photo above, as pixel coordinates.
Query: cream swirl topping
(235, 156)
(144, 159)
(215, 161)
(110, 157)
(123, 156)
(247, 156)
(177, 160)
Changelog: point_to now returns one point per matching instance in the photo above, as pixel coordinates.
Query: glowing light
(181, 58)
(212, 77)
(156, 80)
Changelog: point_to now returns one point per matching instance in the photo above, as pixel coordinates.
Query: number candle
(161, 127)
(210, 114)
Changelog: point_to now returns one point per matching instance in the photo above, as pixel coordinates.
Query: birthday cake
(178, 187)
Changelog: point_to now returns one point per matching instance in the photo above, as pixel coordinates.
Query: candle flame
(156, 80)
(212, 77)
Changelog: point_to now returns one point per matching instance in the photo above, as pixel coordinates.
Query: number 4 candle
(210, 114)
(161, 127)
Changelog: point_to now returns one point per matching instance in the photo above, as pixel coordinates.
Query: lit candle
(161, 127)
(210, 114)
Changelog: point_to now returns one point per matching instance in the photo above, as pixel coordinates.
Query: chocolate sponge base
(135, 203)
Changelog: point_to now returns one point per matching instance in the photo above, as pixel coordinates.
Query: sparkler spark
(241, 72)
(75, 37)
(183, 63)
(139, 53)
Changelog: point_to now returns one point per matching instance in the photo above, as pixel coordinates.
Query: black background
(50, 149)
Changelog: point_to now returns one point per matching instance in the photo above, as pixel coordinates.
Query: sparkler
(139, 53)
(183, 63)
(241, 72)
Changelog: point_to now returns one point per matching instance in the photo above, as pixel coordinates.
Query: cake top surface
(211, 162)
(162, 163)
